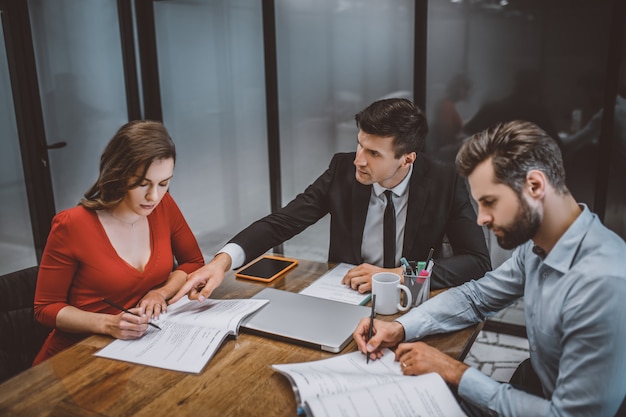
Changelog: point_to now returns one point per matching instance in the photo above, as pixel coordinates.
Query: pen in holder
(423, 279)
(418, 284)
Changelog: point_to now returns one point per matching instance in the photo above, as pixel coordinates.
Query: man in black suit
(430, 201)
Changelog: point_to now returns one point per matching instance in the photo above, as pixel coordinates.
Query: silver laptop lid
(302, 319)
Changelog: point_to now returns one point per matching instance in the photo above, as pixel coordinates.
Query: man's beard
(524, 227)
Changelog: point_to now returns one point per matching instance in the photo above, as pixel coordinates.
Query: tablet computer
(266, 268)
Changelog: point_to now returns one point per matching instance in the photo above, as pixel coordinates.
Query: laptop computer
(310, 321)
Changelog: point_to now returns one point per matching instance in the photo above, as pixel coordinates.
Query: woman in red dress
(126, 241)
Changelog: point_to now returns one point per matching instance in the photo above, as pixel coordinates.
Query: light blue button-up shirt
(575, 306)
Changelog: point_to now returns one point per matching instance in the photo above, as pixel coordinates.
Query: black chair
(22, 336)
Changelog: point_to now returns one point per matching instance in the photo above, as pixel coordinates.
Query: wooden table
(237, 381)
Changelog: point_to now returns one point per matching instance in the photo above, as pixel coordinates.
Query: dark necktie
(389, 233)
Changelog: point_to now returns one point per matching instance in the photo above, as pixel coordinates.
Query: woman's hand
(127, 326)
(153, 304)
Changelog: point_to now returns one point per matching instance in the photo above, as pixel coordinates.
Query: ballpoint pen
(369, 333)
(429, 267)
(119, 307)
(430, 256)
(408, 271)
(407, 266)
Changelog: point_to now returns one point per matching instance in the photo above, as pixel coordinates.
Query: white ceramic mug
(386, 286)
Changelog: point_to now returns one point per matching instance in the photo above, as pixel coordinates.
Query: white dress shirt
(372, 249)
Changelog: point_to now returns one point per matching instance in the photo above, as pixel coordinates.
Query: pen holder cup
(419, 286)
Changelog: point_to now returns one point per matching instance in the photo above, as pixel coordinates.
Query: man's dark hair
(515, 148)
(398, 118)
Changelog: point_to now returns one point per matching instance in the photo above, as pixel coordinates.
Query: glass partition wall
(210, 61)
(546, 62)
(17, 250)
(81, 82)
(496, 61)
(334, 57)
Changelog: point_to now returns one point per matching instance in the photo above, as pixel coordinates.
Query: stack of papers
(191, 334)
(329, 286)
(348, 386)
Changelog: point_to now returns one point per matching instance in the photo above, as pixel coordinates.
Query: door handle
(57, 145)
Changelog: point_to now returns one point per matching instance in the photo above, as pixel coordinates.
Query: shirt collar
(562, 254)
(399, 189)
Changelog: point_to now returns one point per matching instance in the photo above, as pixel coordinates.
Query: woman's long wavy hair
(125, 161)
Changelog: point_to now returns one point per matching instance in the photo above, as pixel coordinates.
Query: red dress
(80, 267)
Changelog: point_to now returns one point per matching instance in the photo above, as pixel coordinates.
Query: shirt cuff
(414, 325)
(236, 253)
(477, 388)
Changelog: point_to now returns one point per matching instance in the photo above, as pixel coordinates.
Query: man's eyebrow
(368, 149)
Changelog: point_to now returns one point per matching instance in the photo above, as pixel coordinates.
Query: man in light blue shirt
(570, 269)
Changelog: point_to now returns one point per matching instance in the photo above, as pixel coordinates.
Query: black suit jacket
(438, 205)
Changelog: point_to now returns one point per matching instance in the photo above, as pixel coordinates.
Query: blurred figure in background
(581, 149)
(447, 127)
(590, 132)
(523, 103)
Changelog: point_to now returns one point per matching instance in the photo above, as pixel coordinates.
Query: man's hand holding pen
(415, 358)
(384, 335)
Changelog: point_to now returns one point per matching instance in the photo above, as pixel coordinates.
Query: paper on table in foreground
(346, 385)
(329, 286)
(191, 334)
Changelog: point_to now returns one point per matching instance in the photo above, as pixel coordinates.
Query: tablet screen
(266, 268)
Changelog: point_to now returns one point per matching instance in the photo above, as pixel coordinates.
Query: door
(78, 54)
(25, 188)
(62, 68)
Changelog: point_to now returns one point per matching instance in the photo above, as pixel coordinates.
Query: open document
(347, 386)
(329, 286)
(191, 332)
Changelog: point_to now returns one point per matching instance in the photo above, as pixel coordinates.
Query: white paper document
(191, 333)
(347, 386)
(329, 286)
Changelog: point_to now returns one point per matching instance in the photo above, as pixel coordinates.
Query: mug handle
(408, 298)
